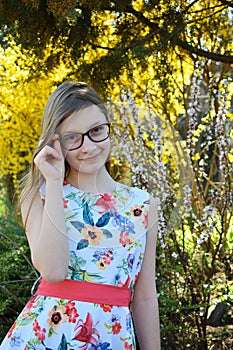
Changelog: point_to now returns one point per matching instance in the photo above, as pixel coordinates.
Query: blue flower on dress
(129, 323)
(130, 261)
(15, 341)
(117, 278)
(123, 223)
(100, 346)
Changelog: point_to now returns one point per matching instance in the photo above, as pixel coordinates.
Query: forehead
(83, 120)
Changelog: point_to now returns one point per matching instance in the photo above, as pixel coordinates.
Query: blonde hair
(68, 98)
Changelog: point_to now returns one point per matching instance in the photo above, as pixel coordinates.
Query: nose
(87, 144)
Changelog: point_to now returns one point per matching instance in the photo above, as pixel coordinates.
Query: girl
(91, 239)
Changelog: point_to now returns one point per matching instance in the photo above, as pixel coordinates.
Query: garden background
(164, 70)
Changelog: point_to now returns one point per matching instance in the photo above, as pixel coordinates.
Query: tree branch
(172, 37)
(202, 53)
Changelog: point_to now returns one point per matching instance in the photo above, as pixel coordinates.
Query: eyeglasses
(74, 141)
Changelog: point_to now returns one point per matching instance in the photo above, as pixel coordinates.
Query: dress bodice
(106, 233)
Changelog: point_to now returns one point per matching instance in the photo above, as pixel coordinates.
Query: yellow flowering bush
(23, 96)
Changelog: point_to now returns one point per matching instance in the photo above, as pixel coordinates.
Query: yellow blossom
(196, 156)
(230, 157)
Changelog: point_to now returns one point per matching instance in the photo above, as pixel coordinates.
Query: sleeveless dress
(107, 239)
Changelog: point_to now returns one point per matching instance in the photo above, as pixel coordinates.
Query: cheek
(71, 156)
(106, 147)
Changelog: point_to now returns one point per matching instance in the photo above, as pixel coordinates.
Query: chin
(91, 168)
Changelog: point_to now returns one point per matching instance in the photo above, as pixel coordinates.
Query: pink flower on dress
(107, 259)
(71, 311)
(35, 325)
(116, 328)
(124, 238)
(127, 346)
(145, 221)
(136, 277)
(69, 307)
(86, 332)
(65, 201)
(73, 315)
(31, 304)
(107, 203)
(40, 334)
(11, 330)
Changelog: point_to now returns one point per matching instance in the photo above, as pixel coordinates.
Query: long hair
(68, 98)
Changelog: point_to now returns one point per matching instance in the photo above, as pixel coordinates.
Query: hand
(50, 160)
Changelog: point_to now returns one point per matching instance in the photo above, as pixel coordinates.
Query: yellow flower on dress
(57, 315)
(137, 211)
(101, 265)
(93, 234)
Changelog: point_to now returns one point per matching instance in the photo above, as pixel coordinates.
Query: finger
(57, 147)
(45, 153)
(55, 137)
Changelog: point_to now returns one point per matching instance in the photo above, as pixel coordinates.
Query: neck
(96, 183)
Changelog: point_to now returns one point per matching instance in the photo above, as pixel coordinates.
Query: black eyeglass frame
(87, 134)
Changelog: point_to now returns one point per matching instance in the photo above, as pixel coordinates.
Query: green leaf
(63, 343)
(78, 225)
(103, 220)
(107, 233)
(107, 326)
(87, 215)
(83, 243)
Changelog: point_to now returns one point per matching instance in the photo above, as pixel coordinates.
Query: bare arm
(145, 304)
(45, 226)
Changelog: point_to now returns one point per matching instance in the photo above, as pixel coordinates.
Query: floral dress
(107, 238)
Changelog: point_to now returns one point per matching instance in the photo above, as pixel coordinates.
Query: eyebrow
(92, 127)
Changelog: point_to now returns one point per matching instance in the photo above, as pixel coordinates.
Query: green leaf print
(71, 214)
(77, 260)
(87, 215)
(71, 196)
(26, 321)
(63, 343)
(107, 233)
(103, 220)
(51, 332)
(77, 273)
(78, 225)
(107, 326)
(83, 243)
(33, 344)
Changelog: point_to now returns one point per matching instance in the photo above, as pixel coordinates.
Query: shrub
(17, 273)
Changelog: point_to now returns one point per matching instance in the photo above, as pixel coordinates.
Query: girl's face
(91, 156)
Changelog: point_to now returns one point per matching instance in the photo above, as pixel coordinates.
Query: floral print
(92, 234)
(86, 333)
(107, 238)
(103, 258)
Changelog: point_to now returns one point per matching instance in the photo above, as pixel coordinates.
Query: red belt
(86, 291)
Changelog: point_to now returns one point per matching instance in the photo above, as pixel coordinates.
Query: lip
(89, 159)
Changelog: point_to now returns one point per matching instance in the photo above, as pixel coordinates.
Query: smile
(89, 159)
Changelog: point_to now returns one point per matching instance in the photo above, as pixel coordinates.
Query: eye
(98, 129)
(71, 137)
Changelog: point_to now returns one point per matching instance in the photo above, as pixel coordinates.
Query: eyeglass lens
(75, 140)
